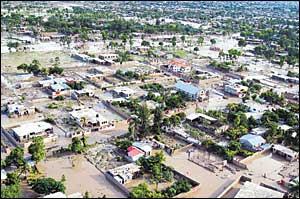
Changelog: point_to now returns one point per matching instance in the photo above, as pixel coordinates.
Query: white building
(124, 173)
(123, 92)
(30, 130)
(236, 89)
(17, 110)
(88, 117)
(108, 56)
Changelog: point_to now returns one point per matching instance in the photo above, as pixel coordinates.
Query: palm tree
(131, 128)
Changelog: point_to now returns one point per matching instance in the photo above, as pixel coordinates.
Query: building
(252, 142)
(236, 89)
(81, 57)
(285, 152)
(59, 89)
(252, 190)
(28, 131)
(179, 66)
(108, 56)
(133, 153)
(188, 89)
(88, 117)
(285, 78)
(259, 131)
(145, 147)
(206, 123)
(62, 195)
(124, 173)
(17, 110)
(123, 92)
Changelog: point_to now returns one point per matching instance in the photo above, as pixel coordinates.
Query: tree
(213, 41)
(104, 35)
(161, 44)
(200, 40)
(242, 43)
(14, 45)
(140, 191)
(281, 61)
(16, 157)
(182, 38)
(11, 191)
(131, 129)
(76, 145)
(196, 49)
(47, 186)
(234, 145)
(157, 120)
(37, 149)
(63, 178)
(143, 114)
(86, 195)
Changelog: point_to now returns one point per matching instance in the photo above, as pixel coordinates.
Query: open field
(81, 178)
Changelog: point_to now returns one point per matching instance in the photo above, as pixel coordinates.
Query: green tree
(242, 43)
(47, 186)
(11, 191)
(213, 41)
(16, 157)
(86, 195)
(182, 38)
(157, 120)
(143, 114)
(76, 145)
(200, 40)
(37, 149)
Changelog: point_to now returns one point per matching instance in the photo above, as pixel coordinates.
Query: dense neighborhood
(149, 99)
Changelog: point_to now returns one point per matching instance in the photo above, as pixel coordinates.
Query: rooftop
(284, 150)
(252, 190)
(187, 87)
(197, 115)
(179, 63)
(90, 114)
(127, 168)
(253, 139)
(28, 128)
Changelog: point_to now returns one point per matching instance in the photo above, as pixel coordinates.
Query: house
(285, 78)
(108, 56)
(28, 131)
(206, 123)
(123, 92)
(133, 153)
(17, 110)
(252, 190)
(285, 152)
(236, 89)
(145, 147)
(124, 173)
(190, 90)
(59, 89)
(81, 57)
(88, 117)
(259, 131)
(252, 142)
(179, 66)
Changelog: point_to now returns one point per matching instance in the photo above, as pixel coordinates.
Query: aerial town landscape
(149, 99)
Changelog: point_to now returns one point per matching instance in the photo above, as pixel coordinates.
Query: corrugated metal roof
(186, 87)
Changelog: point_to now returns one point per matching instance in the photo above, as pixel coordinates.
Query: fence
(115, 109)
